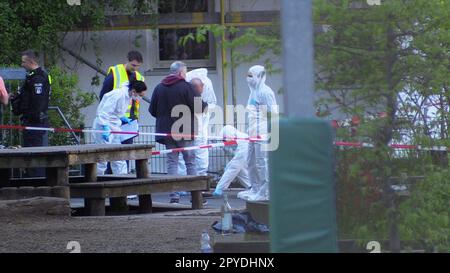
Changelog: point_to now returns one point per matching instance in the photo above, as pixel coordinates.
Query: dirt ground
(149, 233)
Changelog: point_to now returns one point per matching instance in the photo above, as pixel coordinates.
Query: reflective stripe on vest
(136, 109)
(121, 76)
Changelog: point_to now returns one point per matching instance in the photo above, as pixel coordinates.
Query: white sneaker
(132, 197)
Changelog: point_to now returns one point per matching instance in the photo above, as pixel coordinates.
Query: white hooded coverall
(208, 96)
(237, 166)
(111, 108)
(260, 102)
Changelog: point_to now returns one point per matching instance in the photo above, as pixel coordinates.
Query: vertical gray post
(309, 224)
(298, 52)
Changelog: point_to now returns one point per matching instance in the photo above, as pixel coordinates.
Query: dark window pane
(171, 49)
(169, 6)
(165, 6)
(191, 6)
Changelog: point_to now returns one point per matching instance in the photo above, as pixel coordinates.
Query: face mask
(251, 82)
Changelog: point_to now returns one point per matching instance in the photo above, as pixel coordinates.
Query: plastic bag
(243, 222)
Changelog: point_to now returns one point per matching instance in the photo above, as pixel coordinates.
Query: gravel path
(148, 233)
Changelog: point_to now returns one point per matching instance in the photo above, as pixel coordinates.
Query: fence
(218, 157)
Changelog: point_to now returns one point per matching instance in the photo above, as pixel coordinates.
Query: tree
(394, 59)
(42, 24)
(63, 84)
(387, 68)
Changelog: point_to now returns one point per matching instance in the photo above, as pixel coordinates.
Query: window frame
(192, 63)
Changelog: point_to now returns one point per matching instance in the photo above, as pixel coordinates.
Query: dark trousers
(33, 138)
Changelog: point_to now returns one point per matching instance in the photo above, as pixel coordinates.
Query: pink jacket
(4, 97)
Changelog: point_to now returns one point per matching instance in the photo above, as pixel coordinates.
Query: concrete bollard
(61, 192)
(43, 192)
(25, 192)
(8, 193)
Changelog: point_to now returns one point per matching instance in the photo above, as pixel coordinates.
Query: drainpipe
(224, 58)
(233, 84)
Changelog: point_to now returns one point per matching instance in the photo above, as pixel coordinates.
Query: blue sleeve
(108, 85)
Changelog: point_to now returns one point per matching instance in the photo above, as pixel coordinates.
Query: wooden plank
(142, 168)
(145, 203)
(61, 192)
(33, 161)
(95, 206)
(58, 176)
(90, 172)
(84, 190)
(98, 156)
(197, 199)
(72, 149)
(25, 192)
(119, 204)
(43, 191)
(152, 179)
(9, 193)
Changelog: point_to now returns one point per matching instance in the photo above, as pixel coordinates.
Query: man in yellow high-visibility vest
(121, 74)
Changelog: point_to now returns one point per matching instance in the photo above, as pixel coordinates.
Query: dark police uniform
(34, 99)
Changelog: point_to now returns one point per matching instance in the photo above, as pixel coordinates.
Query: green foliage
(380, 58)
(425, 216)
(70, 100)
(392, 58)
(41, 24)
(66, 96)
(264, 40)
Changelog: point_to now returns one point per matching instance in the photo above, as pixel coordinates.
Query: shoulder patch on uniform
(38, 88)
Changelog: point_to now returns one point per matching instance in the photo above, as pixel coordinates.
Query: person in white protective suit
(111, 115)
(261, 102)
(208, 96)
(237, 166)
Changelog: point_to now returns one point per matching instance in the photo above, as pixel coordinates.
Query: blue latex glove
(106, 135)
(125, 120)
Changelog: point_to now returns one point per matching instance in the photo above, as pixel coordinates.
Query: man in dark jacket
(176, 95)
(32, 106)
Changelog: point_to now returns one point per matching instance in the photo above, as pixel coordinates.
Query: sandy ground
(160, 232)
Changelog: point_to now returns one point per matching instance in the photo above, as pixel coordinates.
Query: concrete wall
(114, 45)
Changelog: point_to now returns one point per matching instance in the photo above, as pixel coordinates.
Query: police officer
(32, 106)
(119, 75)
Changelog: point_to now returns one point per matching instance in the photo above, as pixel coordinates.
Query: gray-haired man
(173, 92)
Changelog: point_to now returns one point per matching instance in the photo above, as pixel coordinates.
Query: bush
(66, 96)
(425, 215)
(70, 100)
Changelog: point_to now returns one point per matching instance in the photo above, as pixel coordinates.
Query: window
(170, 48)
(193, 53)
(181, 6)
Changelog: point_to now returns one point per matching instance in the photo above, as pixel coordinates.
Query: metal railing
(218, 157)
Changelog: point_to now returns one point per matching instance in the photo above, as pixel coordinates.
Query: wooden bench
(96, 192)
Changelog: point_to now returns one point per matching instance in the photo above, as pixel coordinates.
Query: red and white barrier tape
(393, 146)
(65, 130)
(230, 142)
(209, 146)
(337, 143)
